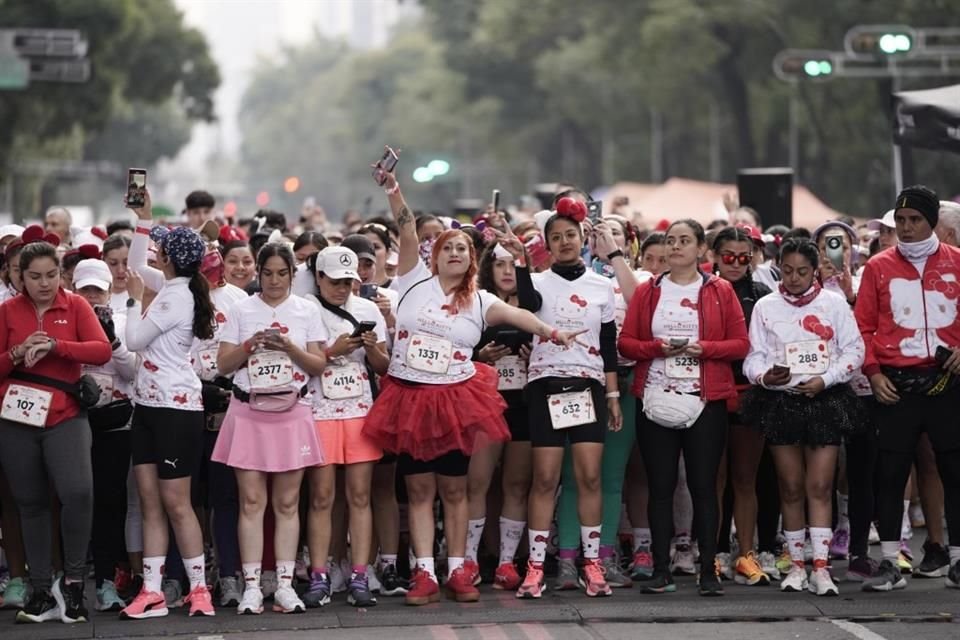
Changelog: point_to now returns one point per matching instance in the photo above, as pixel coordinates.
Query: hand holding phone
(676, 343)
(136, 188)
(368, 291)
(386, 164)
(779, 374)
(363, 328)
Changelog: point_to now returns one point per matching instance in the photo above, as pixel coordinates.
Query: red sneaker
(506, 577)
(147, 604)
(533, 585)
(460, 586)
(423, 588)
(472, 570)
(201, 603)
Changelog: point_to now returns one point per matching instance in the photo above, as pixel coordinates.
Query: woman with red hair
(435, 400)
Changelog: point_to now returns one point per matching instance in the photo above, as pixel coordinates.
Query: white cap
(92, 272)
(10, 230)
(886, 221)
(338, 263)
(86, 236)
(541, 218)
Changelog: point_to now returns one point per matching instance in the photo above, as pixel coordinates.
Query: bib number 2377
(270, 369)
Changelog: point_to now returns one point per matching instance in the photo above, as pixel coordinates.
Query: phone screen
(362, 328)
(136, 187)
(594, 209)
(496, 199)
(386, 164)
(368, 291)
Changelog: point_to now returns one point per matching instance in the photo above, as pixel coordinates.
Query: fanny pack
(920, 381)
(113, 415)
(85, 391)
(672, 409)
(270, 400)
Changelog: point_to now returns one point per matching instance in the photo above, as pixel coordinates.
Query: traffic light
(433, 169)
(803, 64)
(880, 40)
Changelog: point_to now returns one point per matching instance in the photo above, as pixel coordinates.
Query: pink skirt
(268, 442)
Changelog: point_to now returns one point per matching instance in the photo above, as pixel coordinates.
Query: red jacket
(80, 340)
(723, 335)
(902, 316)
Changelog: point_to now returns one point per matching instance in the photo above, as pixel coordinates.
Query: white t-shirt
(165, 378)
(295, 317)
(203, 354)
(118, 302)
(621, 310)
(584, 303)
(432, 345)
(343, 390)
(676, 316)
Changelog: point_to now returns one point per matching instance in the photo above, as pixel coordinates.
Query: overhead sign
(14, 72)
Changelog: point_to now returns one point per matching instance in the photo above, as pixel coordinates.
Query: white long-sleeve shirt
(777, 325)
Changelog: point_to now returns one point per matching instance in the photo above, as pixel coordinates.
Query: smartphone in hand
(368, 291)
(363, 328)
(136, 188)
(676, 343)
(386, 164)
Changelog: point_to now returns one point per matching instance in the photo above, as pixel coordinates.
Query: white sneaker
(874, 536)
(768, 563)
(726, 570)
(252, 602)
(286, 600)
(372, 581)
(795, 581)
(683, 563)
(338, 582)
(821, 583)
(268, 584)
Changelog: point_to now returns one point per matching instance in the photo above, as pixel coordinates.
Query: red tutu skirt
(426, 421)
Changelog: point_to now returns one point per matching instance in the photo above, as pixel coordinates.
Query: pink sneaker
(593, 580)
(200, 601)
(147, 604)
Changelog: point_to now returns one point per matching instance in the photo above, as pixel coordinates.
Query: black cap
(923, 199)
(360, 245)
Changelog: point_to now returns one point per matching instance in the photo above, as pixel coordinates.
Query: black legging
(861, 461)
(702, 445)
(111, 463)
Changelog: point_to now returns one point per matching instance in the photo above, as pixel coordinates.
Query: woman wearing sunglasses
(733, 250)
(804, 348)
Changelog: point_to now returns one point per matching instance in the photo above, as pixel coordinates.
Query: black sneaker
(888, 578)
(709, 585)
(391, 584)
(41, 608)
(662, 582)
(936, 561)
(358, 593)
(69, 598)
(953, 576)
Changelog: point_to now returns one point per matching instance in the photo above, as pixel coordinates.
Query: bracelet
(613, 395)
(616, 254)
(393, 191)
(553, 335)
(520, 262)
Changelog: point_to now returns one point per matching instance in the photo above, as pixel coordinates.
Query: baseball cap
(886, 221)
(8, 230)
(91, 272)
(360, 245)
(754, 233)
(338, 263)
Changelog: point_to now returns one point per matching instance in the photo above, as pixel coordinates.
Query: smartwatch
(131, 303)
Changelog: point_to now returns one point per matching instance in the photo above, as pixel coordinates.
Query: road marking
(535, 631)
(857, 630)
(442, 632)
(491, 632)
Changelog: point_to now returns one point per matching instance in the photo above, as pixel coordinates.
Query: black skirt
(794, 419)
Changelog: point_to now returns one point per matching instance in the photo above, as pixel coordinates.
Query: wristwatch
(616, 254)
(131, 303)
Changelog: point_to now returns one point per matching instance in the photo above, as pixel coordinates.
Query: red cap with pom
(573, 209)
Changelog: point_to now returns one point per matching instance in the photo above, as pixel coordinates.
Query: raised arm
(137, 258)
(409, 244)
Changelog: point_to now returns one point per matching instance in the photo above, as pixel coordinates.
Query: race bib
(26, 405)
(429, 354)
(511, 373)
(208, 363)
(571, 409)
(682, 367)
(342, 382)
(105, 382)
(269, 369)
(810, 357)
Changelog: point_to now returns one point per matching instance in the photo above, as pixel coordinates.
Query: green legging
(616, 453)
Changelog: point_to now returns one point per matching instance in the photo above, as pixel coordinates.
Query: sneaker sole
(420, 601)
(885, 587)
(297, 609)
(531, 595)
(463, 597)
(792, 589)
(27, 618)
(200, 612)
(763, 580)
(399, 591)
(250, 612)
(319, 604)
(651, 590)
(950, 584)
(935, 573)
(353, 602)
(146, 615)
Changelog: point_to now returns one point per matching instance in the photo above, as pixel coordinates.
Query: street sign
(59, 70)
(14, 72)
(36, 43)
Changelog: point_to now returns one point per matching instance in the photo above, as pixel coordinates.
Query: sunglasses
(742, 258)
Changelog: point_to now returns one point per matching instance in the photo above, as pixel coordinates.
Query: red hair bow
(34, 233)
(573, 209)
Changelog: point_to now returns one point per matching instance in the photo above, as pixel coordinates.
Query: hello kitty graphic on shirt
(922, 307)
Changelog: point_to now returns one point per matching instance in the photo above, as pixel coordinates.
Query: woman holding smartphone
(272, 344)
(435, 402)
(342, 396)
(804, 347)
(684, 329)
(573, 396)
(167, 427)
